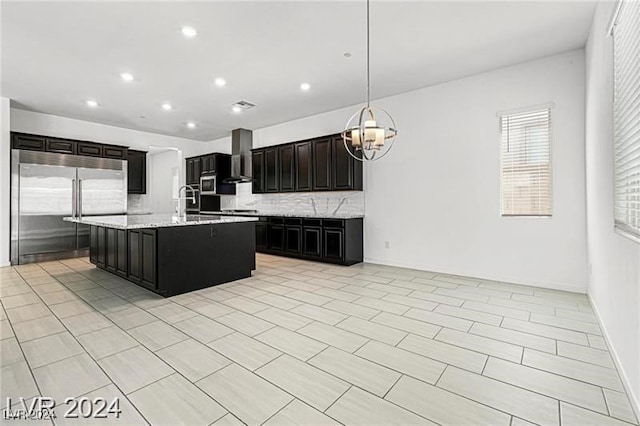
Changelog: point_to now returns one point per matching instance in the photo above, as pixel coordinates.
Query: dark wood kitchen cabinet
(61, 146)
(261, 235)
(346, 171)
(67, 146)
(287, 167)
(30, 142)
(304, 166)
(90, 149)
(271, 170)
(293, 235)
(275, 234)
(142, 257)
(136, 172)
(208, 164)
(322, 164)
(115, 152)
(193, 171)
(312, 240)
(257, 165)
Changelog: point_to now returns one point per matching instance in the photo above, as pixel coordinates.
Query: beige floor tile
(382, 305)
(601, 376)
(157, 335)
(481, 344)
(577, 315)
(546, 331)
(597, 342)
(576, 416)
(249, 397)
(172, 312)
(333, 336)
(309, 297)
(210, 309)
(110, 304)
(245, 323)
(107, 341)
(405, 362)
(420, 328)
(444, 352)
(284, 318)
(131, 317)
(86, 323)
(469, 314)
(182, 403)
(546, 300)
(355, 370)
(462, 294)
(278, 301)
(441, 406)
(298, 413)
(58, 297)
(18, 300)
(496, 310)
(228, 420)
(439, 319)
(202, 329)
(352, 309)
(134, 368)
(515, 337)
(48, 349)
(245, 304)
(35, 328)
(307, 383)
(410, 301)
(247, 352)
(364, 291)
(28, 312)
(193, 359)
(68, 309)
(17, 382)
(317, 313)
(586, 354)
(375, 331)
(519, 402)
(558, 387)
(358, 407)
(337, 294)
(569, 324)
(54, 379)
(390, 288)
(619, 406)
(292, 343)
(523, 306)
(10, 352)
(437, 298)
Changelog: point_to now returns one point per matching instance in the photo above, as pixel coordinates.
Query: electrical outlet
(386, 244)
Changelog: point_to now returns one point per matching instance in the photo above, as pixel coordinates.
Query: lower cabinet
(326, 240)
(130, 254)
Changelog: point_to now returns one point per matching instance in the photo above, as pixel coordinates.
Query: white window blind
(626, 114)
(525, 163)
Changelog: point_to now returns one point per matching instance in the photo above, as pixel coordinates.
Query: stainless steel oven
(208, 185)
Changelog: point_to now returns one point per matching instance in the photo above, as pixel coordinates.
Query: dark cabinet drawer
(333, 223)
(333, 242)
(117, 152)
(312, 222)
(61, 146)
(32, 143)
(312, 241)
(90, 149)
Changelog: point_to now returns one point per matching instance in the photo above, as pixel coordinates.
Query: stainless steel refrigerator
(46, 187)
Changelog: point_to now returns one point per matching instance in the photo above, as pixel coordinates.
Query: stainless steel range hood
(241, 144)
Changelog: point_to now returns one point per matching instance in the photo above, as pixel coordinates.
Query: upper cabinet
(67, 146)
(320, 164)
(136, 172)
(208, 164)
(193, 171)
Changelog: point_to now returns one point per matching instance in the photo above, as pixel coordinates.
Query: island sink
(172, 254)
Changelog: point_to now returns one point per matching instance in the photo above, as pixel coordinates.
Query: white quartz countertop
(156, 220)
(289, 214)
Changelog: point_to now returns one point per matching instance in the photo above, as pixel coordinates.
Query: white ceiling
(55, 55)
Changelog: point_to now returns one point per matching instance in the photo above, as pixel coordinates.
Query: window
(626, 117)
(525, 164)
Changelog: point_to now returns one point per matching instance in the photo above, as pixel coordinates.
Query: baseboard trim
(506, 279)
(633, 398)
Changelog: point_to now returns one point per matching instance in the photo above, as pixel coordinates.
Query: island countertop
(156, 220)
(284, 213)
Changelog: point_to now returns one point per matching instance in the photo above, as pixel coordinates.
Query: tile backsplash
(138, 203)
(322, 203)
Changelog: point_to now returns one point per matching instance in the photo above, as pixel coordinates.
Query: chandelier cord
(368, 65)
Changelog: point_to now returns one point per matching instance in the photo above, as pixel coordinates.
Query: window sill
(626, 234)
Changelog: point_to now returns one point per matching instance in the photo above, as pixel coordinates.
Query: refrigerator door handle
(74, 206)
(80, 198)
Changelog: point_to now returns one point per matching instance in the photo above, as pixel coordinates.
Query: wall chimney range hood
(241, 144)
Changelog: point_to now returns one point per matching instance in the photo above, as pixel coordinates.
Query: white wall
(163, 167)
(5, 182)
(436, 198)
(614, 280)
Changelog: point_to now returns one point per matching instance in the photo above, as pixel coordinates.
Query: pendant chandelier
(370, 132)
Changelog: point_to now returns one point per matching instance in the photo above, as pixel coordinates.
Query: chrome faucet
(192, 198)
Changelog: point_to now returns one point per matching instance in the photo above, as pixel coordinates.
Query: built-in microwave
(208, 185)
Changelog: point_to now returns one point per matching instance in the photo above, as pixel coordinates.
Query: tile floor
(308, 343)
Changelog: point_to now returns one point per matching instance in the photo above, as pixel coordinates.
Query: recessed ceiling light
(236, 108)
(220, 82)
(189, 32)
(92, 103)
(126, 76)
(167, 106)
(305, 86)
(191, 125)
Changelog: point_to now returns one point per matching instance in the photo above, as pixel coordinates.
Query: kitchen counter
(140, 221)
(286, 214)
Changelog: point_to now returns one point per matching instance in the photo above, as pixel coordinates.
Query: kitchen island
(172, 254)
